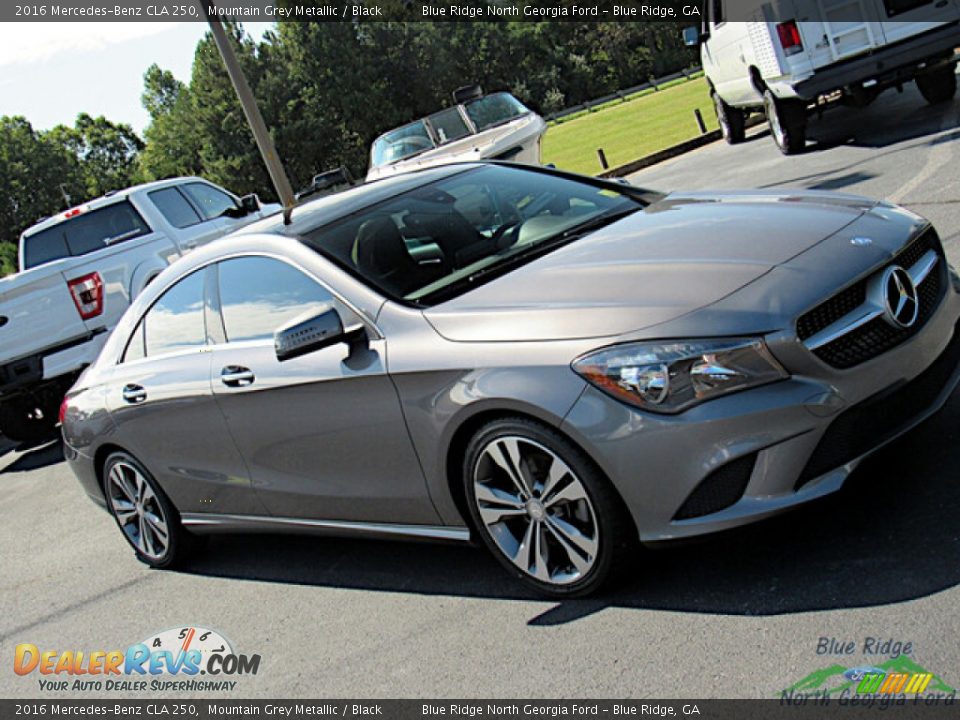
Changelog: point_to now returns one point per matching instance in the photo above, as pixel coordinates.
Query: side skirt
(206, 523)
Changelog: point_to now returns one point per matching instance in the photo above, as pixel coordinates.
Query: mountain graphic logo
(899, 675)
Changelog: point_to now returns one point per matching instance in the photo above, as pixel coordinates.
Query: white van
(783, 57)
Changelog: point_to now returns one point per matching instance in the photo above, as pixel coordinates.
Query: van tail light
(64, 406)
(790, 37)
(87, 292)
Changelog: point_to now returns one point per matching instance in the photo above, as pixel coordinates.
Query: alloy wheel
(536, 510)
(773, 117)
(137, 510)
(722, 117)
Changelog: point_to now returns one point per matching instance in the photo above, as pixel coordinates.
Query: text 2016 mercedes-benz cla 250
(557, 365)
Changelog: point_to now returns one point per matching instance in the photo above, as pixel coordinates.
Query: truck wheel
(938, 86)
(732, 121)
(788, 122)
(24, 421)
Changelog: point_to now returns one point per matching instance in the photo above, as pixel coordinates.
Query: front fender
(439, 407)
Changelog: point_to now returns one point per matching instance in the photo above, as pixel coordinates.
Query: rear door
(847, 28)
(160, 400)
(905, 18)
(322, 434)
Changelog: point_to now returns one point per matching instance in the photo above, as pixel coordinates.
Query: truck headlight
(669, 377)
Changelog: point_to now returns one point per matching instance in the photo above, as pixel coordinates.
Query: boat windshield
(448, 125)
(402, 143)
(494, 109)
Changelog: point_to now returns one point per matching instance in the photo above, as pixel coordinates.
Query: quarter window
(174, 207)
(258, 295)
(175, 322)
(211, 202)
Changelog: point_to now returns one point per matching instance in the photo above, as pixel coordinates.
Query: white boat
(477, 127)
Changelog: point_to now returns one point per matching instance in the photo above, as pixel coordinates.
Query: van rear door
(847, 28)
(905, 18)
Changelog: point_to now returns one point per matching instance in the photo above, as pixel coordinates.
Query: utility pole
(278, 175)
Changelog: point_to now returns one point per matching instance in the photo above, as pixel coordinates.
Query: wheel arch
(756, 79)
(460, 439)
(100, 461)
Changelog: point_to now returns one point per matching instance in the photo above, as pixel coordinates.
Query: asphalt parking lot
(738, 615)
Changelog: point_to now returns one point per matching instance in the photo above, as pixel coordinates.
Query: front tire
(938, 86)
(144, 514)
(544, 510)
(788, 122)
(733, 122)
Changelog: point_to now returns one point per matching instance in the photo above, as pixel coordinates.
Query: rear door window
(175, 322)
(174, 207)
(84, 233)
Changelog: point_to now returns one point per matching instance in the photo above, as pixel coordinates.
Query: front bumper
(773, 447)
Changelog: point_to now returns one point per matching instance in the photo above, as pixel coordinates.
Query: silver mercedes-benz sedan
(559, 366)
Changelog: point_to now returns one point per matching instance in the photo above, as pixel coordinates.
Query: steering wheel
(506, 235)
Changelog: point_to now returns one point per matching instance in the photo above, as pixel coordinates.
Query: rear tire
(733, 122)
(26, 422)
(143, 512)
(544, 510)
(788, 122)
(938, 86)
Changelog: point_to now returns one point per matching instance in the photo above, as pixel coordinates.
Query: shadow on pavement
(893, 118)
(34, 457)
(892, 534)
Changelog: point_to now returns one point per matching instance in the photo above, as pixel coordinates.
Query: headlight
(669, 377)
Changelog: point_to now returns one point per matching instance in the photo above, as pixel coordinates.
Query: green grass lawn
(629, 130)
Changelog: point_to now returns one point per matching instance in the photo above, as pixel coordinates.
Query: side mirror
(250, 203)
(691, 36)
(319, 330)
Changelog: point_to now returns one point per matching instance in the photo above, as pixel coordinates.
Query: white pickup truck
(785, 57)
(80, 269)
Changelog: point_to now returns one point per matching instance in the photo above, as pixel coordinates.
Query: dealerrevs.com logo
(192, 659)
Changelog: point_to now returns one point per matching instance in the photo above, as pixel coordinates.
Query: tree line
(326, 90)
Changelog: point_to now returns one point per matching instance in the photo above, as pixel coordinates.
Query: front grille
(718, 490)
(832, 310)
(877, 336)
(870, 423)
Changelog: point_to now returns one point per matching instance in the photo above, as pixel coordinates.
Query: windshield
(494, 109)
(443, 238)
(448, 125)
(83, 234)
(401, 143)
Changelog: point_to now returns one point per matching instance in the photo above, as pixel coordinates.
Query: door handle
(237, 376)
(134, 393)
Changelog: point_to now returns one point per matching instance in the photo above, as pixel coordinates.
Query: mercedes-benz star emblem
(900, 297)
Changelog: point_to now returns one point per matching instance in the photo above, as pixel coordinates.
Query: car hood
(682, 253)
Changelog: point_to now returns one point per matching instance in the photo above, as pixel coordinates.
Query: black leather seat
(380, 254)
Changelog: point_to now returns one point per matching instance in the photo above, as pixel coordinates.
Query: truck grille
(863, 341)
